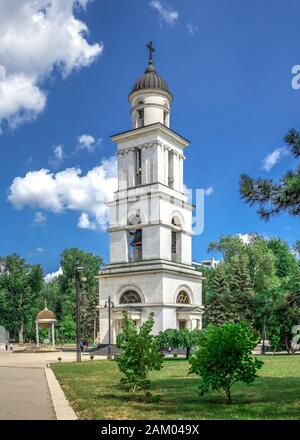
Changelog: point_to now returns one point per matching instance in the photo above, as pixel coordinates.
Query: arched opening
(130, 297)
(176, 236)
(183, 297)
(139, 113)
(140, 118)
(135, 239)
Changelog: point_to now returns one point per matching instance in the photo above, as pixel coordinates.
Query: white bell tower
(150, 220)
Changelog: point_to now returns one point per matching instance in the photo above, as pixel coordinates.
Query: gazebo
(45, 319)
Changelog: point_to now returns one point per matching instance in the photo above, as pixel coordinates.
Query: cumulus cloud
(68, 190)
(39, 218)
(166, 13)
(273, 158)
(53, 275)
(38, 36)
(88, 143)
(246, 238)
(40, 250)
(58, 156)
(84, 222)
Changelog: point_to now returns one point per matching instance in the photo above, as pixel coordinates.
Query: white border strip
(63, 410)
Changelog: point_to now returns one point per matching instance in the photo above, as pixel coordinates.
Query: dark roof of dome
(150, 80)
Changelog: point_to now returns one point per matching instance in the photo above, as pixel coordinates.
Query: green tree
(20, 287)
(241, 288)
(224, 358)
(218, 300)
(296, 248)
(228, 245)
(175, 338)
(274, 198)
(140, 353)
(70, 259)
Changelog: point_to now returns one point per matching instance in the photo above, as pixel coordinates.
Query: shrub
(224, 357)
(139, 354)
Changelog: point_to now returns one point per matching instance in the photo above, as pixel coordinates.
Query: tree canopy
(275, 198)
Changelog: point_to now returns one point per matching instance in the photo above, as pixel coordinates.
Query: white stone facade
(150, 221)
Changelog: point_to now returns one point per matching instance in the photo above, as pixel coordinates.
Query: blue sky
(228, 64)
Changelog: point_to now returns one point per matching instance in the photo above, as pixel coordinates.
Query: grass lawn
(94, 392)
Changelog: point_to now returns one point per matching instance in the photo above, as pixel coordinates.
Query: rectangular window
(138, 167)
(173, 246)
(135, 245)
(171, 168)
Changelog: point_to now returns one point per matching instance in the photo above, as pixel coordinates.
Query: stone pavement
(24, 395)
(24, 387)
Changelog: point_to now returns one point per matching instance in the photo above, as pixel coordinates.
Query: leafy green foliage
(20, 296)
(224, 358)
(255, 283)
(23, 290)
(175, 338)
(274, 198)
(139, 354)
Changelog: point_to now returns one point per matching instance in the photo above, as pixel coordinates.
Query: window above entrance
(183, 298)
(130, 297)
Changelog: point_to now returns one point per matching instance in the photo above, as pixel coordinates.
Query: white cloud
(88, 143)
(273, 158)
(39, 218)
(38, 36)
(192, 29)
(166, 13)
(209, 191)
(68, 190)
(246, 238)
(58, 156)
(84, 222)
(40, 250)
(53, 275)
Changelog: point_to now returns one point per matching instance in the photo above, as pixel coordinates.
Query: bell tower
(150, 219)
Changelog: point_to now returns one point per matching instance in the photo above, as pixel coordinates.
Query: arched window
(130, 297)
(135, 238)
(140, 118)
(183, 298)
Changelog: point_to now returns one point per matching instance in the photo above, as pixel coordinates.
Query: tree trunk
(286, 342)
(21, 333)
(188, 350)
(228, 393)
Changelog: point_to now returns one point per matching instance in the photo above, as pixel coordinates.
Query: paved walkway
(24, 395)
(24, 391)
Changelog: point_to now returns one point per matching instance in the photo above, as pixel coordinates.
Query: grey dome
(150, 80)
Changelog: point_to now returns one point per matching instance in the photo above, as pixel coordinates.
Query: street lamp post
(78, 338)
(109, 304)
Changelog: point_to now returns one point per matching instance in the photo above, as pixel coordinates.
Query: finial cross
(151, 50)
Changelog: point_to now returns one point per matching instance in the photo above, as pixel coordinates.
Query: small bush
(224, 357)
(139, 354)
